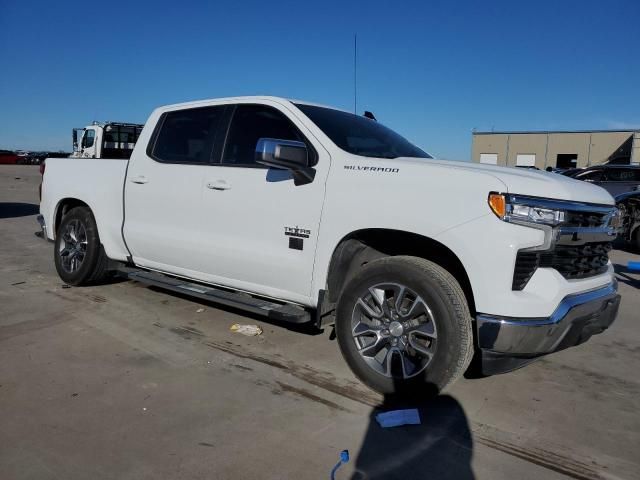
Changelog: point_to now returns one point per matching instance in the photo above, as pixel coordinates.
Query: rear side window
(187, 136)
(251, 123)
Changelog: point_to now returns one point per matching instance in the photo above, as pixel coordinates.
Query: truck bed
(100, 183)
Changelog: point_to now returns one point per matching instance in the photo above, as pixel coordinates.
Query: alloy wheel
(394, 330)
(73, 246)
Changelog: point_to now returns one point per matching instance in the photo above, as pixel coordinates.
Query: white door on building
(490, 158)
(525, 160)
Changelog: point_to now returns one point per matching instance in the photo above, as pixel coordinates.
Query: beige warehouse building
(561, 149)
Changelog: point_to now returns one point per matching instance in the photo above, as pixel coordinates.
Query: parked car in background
(8, 157)
(629, 206)
(615, 179)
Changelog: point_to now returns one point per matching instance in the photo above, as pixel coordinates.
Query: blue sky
(431, 70)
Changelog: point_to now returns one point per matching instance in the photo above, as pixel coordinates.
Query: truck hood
(522, 181)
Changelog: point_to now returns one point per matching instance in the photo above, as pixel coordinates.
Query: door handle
(219, 185)
(140, 179)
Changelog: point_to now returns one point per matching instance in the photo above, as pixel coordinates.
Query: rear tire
(419, 312)
(78, 254)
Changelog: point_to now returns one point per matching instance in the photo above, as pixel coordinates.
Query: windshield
(360, 135)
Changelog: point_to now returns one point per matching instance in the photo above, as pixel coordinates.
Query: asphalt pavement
(123, 381)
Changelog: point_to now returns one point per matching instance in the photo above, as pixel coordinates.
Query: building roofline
(524, 132)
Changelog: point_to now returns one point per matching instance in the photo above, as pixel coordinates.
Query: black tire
(447, 303)
(636, 239)
(93, 265)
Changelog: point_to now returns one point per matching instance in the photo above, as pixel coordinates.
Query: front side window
(251, 123)
(89, 139)
(360, 135)
(186, 136)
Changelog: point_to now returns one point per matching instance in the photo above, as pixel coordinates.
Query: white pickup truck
(307, 213)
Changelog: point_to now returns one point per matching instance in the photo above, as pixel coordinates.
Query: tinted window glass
(186, 136)
(360, 135)
(622, 175)
(119, 134)
(89, 139)
(249, 124)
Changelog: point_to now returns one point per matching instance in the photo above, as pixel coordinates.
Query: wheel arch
(63, 206)
(360, 247)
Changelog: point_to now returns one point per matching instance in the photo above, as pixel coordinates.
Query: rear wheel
(78, 254)
(403, 325)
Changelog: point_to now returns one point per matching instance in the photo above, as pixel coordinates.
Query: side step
(286, 312)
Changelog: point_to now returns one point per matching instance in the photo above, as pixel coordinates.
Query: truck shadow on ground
(440, 447)
(623, 246)
(308, 328)
(13, 210)
(623, 274)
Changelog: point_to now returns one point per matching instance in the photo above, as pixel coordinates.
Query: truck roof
(246, 98)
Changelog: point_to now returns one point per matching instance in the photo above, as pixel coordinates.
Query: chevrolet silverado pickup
(305, 213)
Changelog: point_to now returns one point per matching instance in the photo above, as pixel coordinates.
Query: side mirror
(288, 155)
(285, 154)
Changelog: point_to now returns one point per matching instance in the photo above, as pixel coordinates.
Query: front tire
(635, 239)
(403, 326)
(78, 254)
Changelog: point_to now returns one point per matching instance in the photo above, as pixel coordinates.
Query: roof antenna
(355, 74)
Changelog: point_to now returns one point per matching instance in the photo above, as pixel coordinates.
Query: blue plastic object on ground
(344, 458)
(395, 418)
(635, 266)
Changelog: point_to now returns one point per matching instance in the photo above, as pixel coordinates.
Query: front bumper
(507, 343)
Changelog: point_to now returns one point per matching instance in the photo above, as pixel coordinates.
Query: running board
(286, 312)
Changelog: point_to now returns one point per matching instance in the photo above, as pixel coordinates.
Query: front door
(261, 228)
(88, 144)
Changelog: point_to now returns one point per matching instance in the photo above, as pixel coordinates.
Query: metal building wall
(591, 148)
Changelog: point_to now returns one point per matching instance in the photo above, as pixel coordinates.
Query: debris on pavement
(344, 458)
(248, 330)
(17, 283)
(200, 310)
(396, 418)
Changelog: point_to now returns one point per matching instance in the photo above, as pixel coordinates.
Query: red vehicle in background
(8, 157)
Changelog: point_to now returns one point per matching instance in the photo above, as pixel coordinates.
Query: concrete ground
(127, 382)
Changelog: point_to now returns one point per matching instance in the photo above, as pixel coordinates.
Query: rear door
(262, 229)
(164, 192)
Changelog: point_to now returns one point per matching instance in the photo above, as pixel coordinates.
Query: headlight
(520, 209)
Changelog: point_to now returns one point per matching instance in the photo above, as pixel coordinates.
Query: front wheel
(403, 325)
(78, 254)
